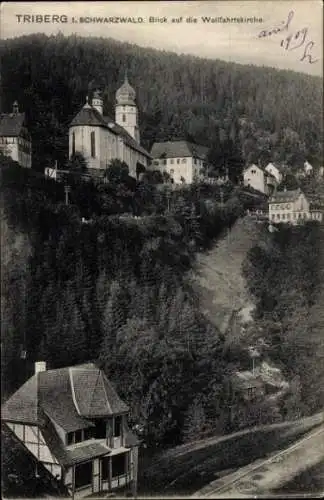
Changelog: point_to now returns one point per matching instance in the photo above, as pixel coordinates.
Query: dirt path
(270, 474)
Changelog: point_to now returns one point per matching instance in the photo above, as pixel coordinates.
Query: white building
(308, 168)
(182, 160)
(73, 423)
(259, 179)
(275, 170)
(15, 140)
(100, 139)
(292, 207)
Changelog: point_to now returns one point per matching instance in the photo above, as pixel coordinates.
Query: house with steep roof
(259, 178)
(276, 171)
(15, 140)
(292, 207)
(72, 421)
(101, 139)
(182, 160)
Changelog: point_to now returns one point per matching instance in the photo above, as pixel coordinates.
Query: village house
(15, 140)
(259, 179)
(74, 424)
(305, 171)
(100, 139)
(182, 160)
(275, 170)
(292, 207)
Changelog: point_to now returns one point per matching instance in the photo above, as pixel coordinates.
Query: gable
(22, 406)
(93, 395)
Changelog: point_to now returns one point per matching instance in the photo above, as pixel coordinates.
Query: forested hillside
(115, 289)
(264, 113)
(285, 274)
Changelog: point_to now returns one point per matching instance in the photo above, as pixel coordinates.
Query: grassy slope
(218, 278)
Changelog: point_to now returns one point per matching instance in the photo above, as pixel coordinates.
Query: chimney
(40, 366)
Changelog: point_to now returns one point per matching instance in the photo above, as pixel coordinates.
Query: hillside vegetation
(285, 275)
(241, 112)
(116, 290)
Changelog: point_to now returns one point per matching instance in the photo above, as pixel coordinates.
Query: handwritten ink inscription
(292, 39)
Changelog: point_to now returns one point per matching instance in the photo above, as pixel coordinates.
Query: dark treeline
(114, 289)
(255, 113)
(285, 274)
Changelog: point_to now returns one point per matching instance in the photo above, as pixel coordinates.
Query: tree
(117, 172)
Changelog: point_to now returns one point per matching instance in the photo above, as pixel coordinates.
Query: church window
(124, 117)
(73, 143)
(93, 144)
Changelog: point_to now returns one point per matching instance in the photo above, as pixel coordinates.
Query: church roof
(89, 115)
(11, 124)
(180, 148)
(69, 396)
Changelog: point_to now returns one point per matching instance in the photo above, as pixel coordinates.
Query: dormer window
(117, 426)
(101, 429)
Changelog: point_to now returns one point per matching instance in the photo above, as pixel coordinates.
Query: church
(101, 139)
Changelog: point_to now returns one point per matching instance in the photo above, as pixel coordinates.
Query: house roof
(11, 124)
(69, 396)
(89, 115)
(280, 168)
(181, 148)
(70, 455)
(285, 196)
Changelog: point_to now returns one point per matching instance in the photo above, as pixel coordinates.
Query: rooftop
(285, 196)
(178, 148)
(69, 396)
(89, 115)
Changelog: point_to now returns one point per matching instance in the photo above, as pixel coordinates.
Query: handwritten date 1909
(293, 40)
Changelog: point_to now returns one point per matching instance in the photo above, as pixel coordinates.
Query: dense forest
(115, 289)
(256, 114)
(102, 275)
(285, 274)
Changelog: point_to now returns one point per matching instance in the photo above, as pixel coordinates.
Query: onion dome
(126, 94)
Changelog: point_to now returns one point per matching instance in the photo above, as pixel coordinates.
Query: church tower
(126, 114)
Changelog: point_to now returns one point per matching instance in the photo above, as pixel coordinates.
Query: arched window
(93, 144)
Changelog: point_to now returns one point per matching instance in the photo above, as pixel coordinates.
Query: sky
(297, 44)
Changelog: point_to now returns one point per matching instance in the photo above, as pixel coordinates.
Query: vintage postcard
(162, 249)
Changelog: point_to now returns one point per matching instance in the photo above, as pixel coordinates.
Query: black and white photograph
(162, 249)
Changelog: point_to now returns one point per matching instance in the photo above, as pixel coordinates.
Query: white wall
(131, 123)
(18, 148)
(109, 146)
(177, 169)
(254, 177)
